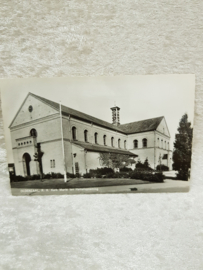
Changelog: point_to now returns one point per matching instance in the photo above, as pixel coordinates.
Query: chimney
(115, 115)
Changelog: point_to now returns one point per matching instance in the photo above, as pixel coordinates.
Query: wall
(92, 160)
(92, 129)
(39, 110)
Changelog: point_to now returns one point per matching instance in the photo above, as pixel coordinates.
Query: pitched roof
(80, 115)
(103, 149)
(142, 126)
(134, 127)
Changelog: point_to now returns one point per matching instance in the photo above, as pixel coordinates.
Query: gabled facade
(38, 124)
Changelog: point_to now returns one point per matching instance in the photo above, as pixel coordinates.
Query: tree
(146, 163)
(115, 161)
(38, 157)
(183, 148)
(143, 166)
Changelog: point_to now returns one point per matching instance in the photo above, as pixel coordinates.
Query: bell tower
(115, 115)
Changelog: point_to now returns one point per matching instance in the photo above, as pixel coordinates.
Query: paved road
(167, 186)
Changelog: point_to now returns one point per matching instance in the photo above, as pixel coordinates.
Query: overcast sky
(139, 97)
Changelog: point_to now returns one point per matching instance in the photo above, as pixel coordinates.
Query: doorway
(26, 164)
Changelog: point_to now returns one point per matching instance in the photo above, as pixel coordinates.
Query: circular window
(30, 108)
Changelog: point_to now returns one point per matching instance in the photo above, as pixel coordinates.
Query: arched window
(157, 142)
(124, 144)
(33, 132)
(135, 143)
(86, 136)
(104, 139)
(161, 143)
(96, 138)
(112, 140)
(144, 143)
(74, 133)
(119, 143)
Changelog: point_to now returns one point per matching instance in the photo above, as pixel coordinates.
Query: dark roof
(134, 127)
(80, 115)
(103, 149)
(142, 126)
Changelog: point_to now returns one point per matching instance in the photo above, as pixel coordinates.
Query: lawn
(75, 183)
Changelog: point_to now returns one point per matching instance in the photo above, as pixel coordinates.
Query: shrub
(125, 169)
(87, 175)
(183, 175)
(35, 177)
(17, 178)
(70, 175)
(47, 176)
(162, 167)
(157, 177)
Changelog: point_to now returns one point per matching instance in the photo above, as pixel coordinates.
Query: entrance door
(26, 164)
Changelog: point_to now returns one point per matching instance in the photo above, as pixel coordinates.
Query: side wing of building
(153, 145)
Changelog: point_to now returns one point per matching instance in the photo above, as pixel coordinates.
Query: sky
(139, 97)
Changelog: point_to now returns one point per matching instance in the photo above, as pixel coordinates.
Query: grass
(75, 183)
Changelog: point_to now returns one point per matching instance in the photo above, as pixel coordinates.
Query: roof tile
(134, 127)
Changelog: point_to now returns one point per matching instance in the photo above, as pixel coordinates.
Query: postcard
(98, 135)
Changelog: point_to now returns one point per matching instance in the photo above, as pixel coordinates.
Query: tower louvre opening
(115, 115)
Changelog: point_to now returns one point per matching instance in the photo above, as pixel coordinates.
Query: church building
(75, 139)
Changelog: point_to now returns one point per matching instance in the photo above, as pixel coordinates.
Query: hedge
(157, 177)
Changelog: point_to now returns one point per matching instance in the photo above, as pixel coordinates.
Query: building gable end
(32, 109)
(163, 128)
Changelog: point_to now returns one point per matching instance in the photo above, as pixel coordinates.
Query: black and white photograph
(89, 135)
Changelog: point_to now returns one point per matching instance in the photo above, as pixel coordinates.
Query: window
(96, 138)
(86, 136)
(161, 143)
(104, 138)
(157, 142)
(33, 132)
(144, 142)
(119, 143)
(124, 144)
(135, 143)
(112, 139)
(74, 133)
(52, 163)
(77, 167)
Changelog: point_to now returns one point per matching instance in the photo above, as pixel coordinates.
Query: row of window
(74, 137)
(144, 143)
(162, 144)
(28, 142)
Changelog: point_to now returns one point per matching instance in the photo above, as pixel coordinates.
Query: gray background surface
(142, 231)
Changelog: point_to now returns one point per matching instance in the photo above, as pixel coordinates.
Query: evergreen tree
(183, 148)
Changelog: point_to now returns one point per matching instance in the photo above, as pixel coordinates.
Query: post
(65, 176)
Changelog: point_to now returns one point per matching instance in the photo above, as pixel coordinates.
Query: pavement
(167, 186)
